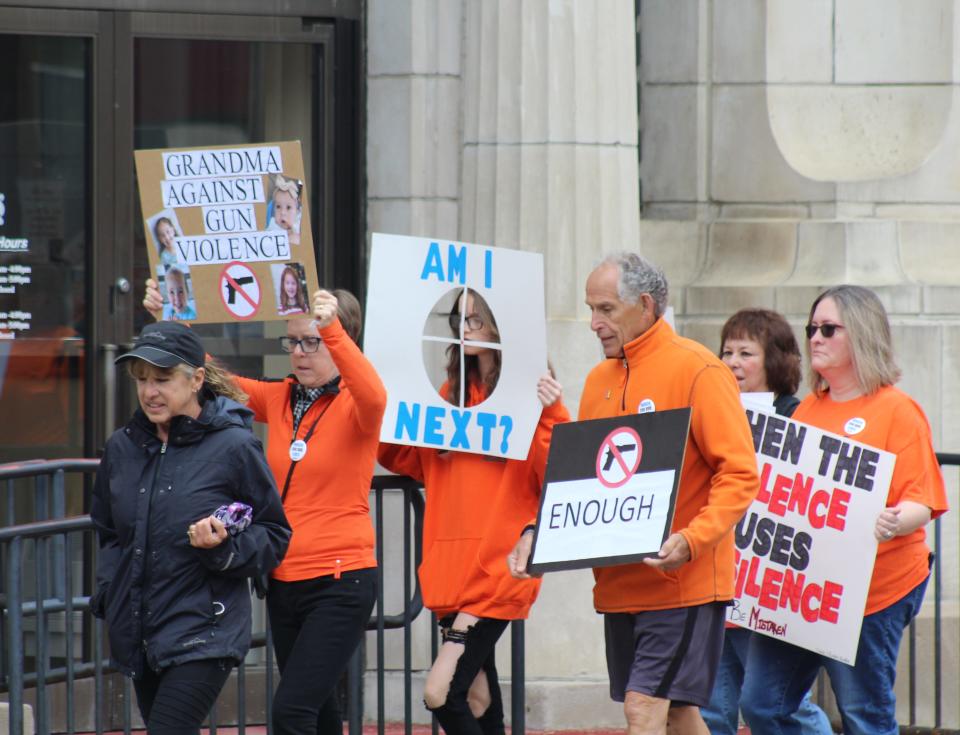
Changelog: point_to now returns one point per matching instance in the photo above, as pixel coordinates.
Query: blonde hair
(868, 334)
(286, 185)
(215, 377)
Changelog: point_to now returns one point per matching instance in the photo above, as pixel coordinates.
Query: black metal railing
(941, 564)
(48, 574)
(50, 640)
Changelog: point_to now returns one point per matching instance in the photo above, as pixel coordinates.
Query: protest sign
(228, 231)
(415, 330)
(805, 548)
(610, 490)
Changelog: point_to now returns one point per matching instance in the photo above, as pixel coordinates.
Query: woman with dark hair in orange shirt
(477, 507)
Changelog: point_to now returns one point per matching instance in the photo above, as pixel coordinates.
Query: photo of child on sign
(283, 212)
(219, 216)
(290, 285)
(178, 301)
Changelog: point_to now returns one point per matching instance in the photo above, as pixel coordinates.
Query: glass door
(82, 90)
(46, 232)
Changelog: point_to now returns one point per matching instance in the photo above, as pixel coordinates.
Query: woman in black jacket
(172, 577)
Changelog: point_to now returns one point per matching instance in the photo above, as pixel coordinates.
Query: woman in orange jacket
(477, 507)
(320, 598)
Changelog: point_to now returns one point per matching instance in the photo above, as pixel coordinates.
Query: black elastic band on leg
(452, 635)
(679, 655)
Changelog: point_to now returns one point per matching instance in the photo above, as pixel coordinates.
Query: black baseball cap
(166, 345)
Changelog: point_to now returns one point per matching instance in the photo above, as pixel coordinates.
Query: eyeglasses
(472, 322)
(307, 344)
(826, 329)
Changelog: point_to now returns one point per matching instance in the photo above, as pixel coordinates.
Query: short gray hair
(639, 276)
(868, 332)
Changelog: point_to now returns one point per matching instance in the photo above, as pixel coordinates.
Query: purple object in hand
(235, 517)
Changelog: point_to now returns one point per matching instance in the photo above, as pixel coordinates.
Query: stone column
(413, 52)
(550, 164)
(413, 117)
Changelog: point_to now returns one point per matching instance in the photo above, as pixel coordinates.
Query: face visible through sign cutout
(461, 347)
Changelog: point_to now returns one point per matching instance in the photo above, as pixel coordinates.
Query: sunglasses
(826, 329)
(472, 322)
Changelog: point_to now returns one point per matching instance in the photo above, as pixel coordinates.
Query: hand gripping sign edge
(610, 456)
(233, 284)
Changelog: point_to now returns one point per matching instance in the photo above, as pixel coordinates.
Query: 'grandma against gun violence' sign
(428, 301)
(228, 231)
(610, 490)
(805, 548)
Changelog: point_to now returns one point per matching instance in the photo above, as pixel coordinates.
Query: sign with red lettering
(610, 489)
(805, 548)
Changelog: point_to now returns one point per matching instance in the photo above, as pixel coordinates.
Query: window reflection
(44, 244)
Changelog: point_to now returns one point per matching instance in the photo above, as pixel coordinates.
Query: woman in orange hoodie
(477, 507)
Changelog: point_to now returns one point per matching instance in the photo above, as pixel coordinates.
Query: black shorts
(669, 654)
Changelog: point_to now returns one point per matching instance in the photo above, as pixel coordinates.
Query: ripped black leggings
(480, 642)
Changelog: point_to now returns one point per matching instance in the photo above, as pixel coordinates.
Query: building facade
(759, 150)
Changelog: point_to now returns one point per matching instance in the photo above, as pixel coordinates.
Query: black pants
(479, 648)
(317, 625)
(178, 699)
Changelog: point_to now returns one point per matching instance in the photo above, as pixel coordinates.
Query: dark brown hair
(471, 364)
(349, 313)
(781, 353)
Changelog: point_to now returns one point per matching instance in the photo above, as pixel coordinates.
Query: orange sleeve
(404, 460)
(719, 428)
(366, 388)
(554, 414)
(256, 396)
(916, 475)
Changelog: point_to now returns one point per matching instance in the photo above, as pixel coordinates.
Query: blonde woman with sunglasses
(852, 374)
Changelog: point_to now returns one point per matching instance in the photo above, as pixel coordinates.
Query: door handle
(109, 389)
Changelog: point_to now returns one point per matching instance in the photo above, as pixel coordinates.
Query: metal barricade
(940, 566)
(42, 582)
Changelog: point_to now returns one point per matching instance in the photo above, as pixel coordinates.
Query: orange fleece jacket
(719, 478)
(476, 508)
(327, 502)
(894, 422)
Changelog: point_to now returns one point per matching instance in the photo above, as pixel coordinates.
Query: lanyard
(294, 462)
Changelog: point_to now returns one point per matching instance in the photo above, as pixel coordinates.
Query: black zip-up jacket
(166, 602)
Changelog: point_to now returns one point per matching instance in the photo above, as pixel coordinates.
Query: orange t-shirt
(662, 371)
(327, 503)
(476, 508)
(895, 423)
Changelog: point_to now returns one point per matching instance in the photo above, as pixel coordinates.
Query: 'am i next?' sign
(442, 314)
(610, 490)
(805, 548)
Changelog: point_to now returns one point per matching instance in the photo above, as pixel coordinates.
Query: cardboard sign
(805, 548)
(610, 490)
(228, 231)
(423, 341)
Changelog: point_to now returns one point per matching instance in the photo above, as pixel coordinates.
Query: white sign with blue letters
(416, 331)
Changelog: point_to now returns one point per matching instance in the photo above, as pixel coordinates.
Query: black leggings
(479, 647)
(176, 700)
(317, 625)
